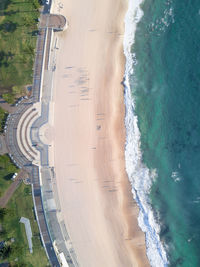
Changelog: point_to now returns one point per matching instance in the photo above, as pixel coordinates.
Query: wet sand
(94, 191)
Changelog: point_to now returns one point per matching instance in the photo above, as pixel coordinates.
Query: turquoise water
(165, 86)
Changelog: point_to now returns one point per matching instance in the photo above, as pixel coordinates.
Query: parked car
(14, 176)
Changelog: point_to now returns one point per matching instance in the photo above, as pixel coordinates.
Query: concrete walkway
(28, 230)
(7, 107)
(3, 147)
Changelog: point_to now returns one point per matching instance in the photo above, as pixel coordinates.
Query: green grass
(7, 169)
(21, 204)
(18, 27)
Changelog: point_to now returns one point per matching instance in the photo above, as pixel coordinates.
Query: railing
(39, 65)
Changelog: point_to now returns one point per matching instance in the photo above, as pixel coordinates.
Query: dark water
(166, 89)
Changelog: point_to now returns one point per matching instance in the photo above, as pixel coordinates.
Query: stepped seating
(23, 134)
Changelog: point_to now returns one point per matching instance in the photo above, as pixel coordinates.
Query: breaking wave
(140, 176)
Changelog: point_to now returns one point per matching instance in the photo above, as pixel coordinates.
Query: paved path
(3, 147)
(7, 107)
(10, 191)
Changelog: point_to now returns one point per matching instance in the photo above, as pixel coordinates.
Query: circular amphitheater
(23, 134)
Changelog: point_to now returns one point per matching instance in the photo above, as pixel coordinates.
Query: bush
(9, 98)
(3, 212)
(36, 4)
(5, 252)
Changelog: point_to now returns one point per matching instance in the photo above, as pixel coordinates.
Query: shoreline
(92, 176)
(140, 176)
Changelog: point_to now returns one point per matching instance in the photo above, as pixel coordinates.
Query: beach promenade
(28, 142)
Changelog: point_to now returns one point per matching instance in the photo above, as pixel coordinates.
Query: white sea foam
(176, 177)
(161, 24)
(139, 175)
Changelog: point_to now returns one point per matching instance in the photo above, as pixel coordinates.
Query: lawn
(7, 169)
(18, 33)
(21, 204)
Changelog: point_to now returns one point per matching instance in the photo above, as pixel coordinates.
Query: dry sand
(94, 191)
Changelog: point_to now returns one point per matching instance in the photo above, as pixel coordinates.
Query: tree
(9, 98)
(36, 4)
(3, 233)
(3, 212)
(5, 252)
(9, 26)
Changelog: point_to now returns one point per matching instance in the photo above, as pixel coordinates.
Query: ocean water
(162, 98)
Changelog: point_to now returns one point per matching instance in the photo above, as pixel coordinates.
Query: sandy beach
(95, 194)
